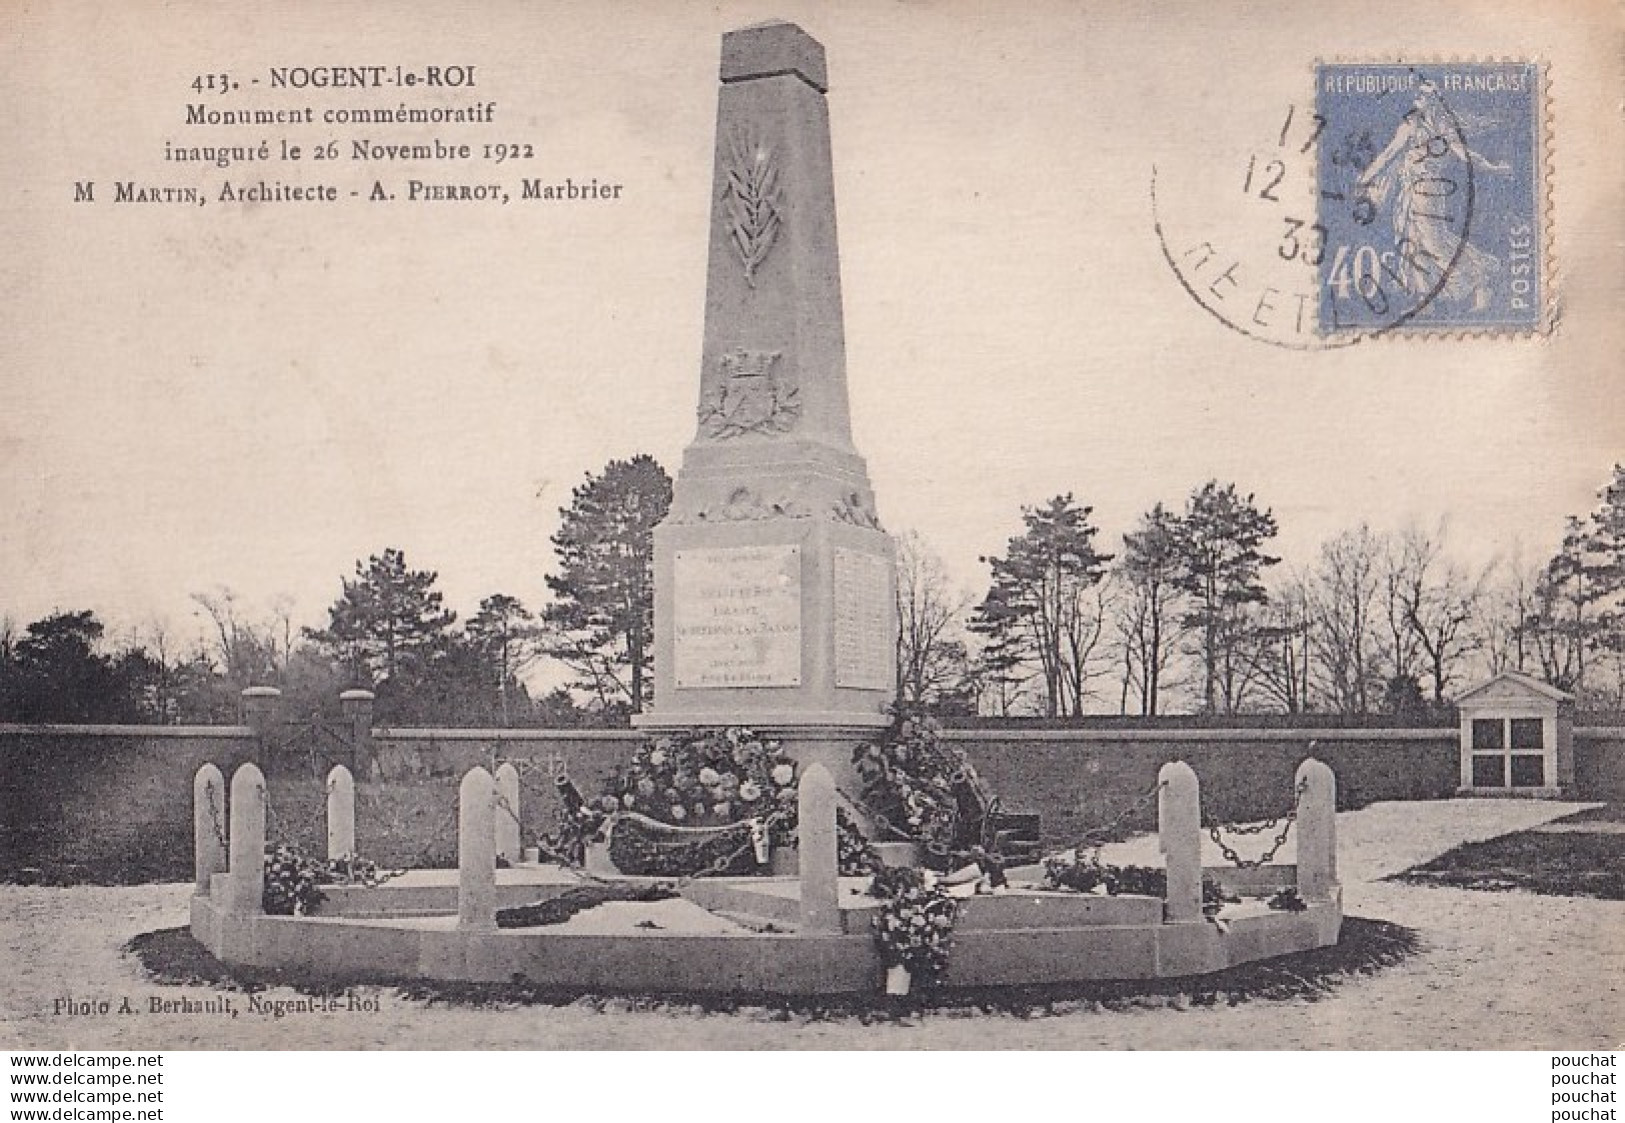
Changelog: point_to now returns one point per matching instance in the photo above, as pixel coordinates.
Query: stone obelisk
(774, 582)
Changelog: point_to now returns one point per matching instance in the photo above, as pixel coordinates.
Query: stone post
(820, 872)
(1317, 830)
(208, 826)
(1179, 825)
(262, 707)
(476, 852)
(357, 706)
(505, 815)
(340, 812)
(247, 842)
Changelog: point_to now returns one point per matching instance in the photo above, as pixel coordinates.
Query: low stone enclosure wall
(100, 803)
(813, 933)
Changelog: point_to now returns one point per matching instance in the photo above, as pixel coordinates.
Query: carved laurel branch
(751, 198)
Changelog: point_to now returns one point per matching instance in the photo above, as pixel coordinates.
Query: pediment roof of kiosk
(1531, 687)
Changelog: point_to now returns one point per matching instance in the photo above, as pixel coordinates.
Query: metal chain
(320, 815)
(720, 865)
(1244, 829)
(1264, 859)
(502, 802)
(449, 819)
(879, 819)
(214, 818)
(1094, 838)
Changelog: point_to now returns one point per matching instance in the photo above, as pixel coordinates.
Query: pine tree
(1149, 566)
(1043, 607)
(505, 639)
(388, 624)
(603, 614)
(1220, 540)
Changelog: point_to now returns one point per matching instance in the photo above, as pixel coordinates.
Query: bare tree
(1504, 616)
(1000, 679)
(248, 654)
(1148, 623)
(1088, 656)
(1282, 633)
(1400, 651)
(1438, 601)
(506, 641)
(931, 653)
(1343, 594)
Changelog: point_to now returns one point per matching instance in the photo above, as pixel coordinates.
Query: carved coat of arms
(749, 397)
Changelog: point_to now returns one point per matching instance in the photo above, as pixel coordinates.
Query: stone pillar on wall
(1317, 830)
(476, 852)
(262, 712)
(1179, 826)
(357, 707)
(208, 826)
(340, 812)
(247, 841)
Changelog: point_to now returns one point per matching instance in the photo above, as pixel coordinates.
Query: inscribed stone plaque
(863, 645)
(737, 616)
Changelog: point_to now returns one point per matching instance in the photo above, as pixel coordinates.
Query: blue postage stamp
(1431, 197)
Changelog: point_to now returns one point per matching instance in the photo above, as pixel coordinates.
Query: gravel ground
(1498, 971)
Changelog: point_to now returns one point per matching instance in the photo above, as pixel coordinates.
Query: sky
(257, 396)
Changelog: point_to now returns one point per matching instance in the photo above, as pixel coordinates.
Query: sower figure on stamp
(1420, 170)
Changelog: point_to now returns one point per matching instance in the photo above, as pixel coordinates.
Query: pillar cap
(773, 49)
(261, 692)
(358, 696)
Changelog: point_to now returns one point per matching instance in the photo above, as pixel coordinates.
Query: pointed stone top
(773, 49)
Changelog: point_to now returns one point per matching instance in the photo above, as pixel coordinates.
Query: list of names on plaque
(737, 616)
(863, 643)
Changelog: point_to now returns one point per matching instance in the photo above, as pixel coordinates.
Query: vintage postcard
(812, 526)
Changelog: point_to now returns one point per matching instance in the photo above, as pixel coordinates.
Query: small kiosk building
(1517, 738)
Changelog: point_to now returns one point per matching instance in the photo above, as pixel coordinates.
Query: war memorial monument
(775, 610)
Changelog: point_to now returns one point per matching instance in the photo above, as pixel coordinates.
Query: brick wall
(109, 804)
(112, 804)
(1599, 762)
(1081, 779)
(105, 803)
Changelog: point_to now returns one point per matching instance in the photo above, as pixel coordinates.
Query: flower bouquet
(294, 880)
(914, 927)
(909, 785)
(712, 791)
